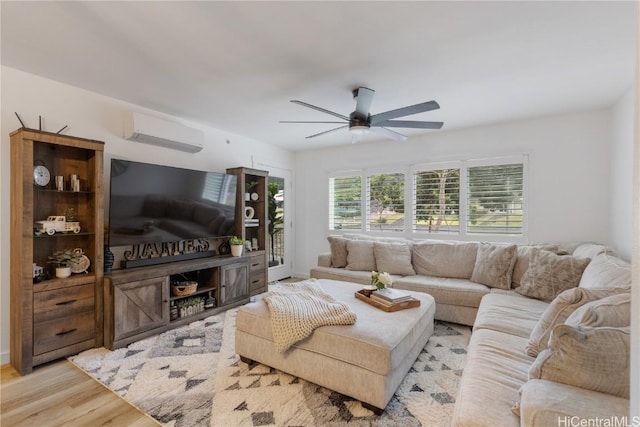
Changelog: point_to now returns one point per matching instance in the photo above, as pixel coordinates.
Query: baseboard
(5, 357)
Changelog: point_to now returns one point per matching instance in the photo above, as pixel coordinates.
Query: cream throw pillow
(445, 259)
(338, 251)
(592, 358)
(494, 265)
(557, 313)
(606, 271)
(360, 255)
(550, 274)
(613, 311)
(393, 258)
(523, 259)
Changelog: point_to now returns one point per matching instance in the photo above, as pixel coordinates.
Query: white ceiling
(235, 65)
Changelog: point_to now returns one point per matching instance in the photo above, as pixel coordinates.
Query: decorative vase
(109, 259)
(63, 272)
(236, 250)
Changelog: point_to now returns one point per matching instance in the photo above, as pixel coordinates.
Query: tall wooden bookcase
(251, 221)
(54, 317)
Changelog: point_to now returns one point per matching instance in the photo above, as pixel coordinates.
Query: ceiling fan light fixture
(359, 129)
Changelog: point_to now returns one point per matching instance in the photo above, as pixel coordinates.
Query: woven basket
(184, 289)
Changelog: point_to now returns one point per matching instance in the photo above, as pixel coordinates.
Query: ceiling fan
(361, 121)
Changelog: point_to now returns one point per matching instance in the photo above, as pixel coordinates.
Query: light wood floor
(59, 394)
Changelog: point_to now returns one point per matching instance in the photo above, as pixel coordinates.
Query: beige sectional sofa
(550, 342)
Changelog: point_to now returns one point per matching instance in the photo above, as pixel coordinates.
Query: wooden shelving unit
(56, 317)
(252, 196)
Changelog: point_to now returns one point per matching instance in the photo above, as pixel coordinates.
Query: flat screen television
(155, 204)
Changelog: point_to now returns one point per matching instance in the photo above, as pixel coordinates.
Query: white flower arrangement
(381, 280)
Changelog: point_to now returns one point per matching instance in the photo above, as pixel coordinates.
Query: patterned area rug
(191, 376)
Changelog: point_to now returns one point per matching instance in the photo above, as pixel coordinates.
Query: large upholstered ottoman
(367, 360)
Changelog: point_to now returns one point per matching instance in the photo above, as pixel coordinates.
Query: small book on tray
(390, 296)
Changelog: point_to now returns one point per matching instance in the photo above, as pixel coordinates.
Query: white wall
(621, 197)
(94, 116)
(569, 172)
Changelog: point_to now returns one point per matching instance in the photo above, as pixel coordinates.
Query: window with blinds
(345, 203)
(462, 198)
(385, 202)
(495, 199)
(436, 201)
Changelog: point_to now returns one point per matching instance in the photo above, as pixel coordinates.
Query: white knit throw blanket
(298, 308)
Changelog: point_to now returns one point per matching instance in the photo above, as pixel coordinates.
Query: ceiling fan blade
(404, 111)
(297, 121)
(363, 96)
(326, 131)
(410, 124)
(313, 107)
(389, 133)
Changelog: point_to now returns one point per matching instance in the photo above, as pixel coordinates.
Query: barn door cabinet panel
(140, 306)
(54, 317)
(234, 279)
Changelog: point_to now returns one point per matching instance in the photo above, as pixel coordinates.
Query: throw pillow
(614, 311)
(557, 313)
(338, 251)
(606, 271)
(445, 259)
(360, 255)
(591, 250)
(494, 265)
(523, 259)
(393, 258)
(550, 274)
(591, 358)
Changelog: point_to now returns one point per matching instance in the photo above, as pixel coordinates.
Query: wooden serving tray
(388, 308)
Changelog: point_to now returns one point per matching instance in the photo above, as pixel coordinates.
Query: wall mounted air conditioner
(151, 130)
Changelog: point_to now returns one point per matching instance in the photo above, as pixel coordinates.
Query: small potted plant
(237, 245)
(62, 260)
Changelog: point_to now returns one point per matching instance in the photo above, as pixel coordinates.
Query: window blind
(436, 201)
(345, 203)
(495, 199)
(385, 202)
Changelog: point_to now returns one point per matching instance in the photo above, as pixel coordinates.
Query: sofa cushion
(544, 403)
(592, 358)
(494, 265)
(557, 313)
(511, 314)
(614, 311)
(338, 251)
(393, 258)
(445, 259)
(495, 370)
(445, 290)
(360, 255)
(522, 261)
(606, 271)
(550, 274)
